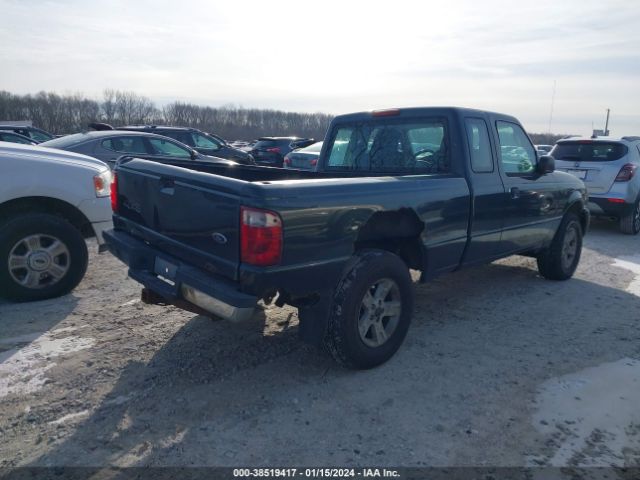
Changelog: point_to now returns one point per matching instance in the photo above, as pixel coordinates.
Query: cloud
(336, 56)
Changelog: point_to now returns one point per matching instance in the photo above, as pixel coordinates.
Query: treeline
(62, 114)
(545, 138)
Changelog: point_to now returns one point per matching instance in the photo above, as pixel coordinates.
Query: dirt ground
(500, 368)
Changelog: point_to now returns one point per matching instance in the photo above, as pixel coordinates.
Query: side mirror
(546, 164)
(194, 155)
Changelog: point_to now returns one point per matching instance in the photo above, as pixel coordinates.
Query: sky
(339, 56)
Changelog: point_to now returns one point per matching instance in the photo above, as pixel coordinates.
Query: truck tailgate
(182, 213)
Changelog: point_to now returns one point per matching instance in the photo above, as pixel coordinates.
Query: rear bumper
(609, 206)
(186, 283)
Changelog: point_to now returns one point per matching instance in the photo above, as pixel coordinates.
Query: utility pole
(606, 125)
(553, 98)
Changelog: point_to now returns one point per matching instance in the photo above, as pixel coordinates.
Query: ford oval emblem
(219, 238)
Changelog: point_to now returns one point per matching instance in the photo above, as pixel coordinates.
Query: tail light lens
(260, 237)
(287, 161)
(114, 192)
(274, 149)
(626, 173)
(314, 162)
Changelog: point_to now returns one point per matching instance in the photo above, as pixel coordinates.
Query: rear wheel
(371, 310)
(560, 260)
(41, 256)
(630, 223)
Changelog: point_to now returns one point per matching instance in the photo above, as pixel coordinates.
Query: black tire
(555, 263)
(71, 263)
(630, 223)
(371, 270)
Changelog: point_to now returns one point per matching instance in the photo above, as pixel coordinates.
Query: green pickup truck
(429, 189)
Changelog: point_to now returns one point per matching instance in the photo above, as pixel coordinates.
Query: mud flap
(314, 320)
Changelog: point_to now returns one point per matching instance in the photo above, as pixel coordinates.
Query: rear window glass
(265, 144)
(586, 151)
(392, 145)
(66, 141)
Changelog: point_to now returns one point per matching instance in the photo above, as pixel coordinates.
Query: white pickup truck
(50, 201)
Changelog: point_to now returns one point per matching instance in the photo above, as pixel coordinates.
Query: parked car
(271, 151)
(50, 201)
(36, 134)
(7, 136)
(303, 158)
(338, 243)
(109, 145)
(205, 143)
(609, 168)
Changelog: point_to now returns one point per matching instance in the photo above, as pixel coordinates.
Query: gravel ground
(500, 368)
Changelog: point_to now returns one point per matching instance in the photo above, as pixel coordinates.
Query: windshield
(589, 151)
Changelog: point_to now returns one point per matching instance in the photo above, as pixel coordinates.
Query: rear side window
(125, 144)
(517, 155)
(165, 147)
(182, 137)
(40, 136)
(479, 145)
(391, 146)
(200, 141)
(587, 151)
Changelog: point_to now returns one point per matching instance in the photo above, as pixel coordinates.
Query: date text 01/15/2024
(315, 472)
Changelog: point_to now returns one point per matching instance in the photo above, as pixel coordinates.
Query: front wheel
(630, 223)
(560, 260)
(41, 256)
(371, 310)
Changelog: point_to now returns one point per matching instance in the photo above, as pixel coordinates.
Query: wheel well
(52, 206)
(577, 209)
(397, 232)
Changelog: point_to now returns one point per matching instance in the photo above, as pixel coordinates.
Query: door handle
(515, 193)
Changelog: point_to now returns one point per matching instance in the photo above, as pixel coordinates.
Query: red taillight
(274, 149)
(386, 113)
(287, 161)
(314, 162)
(615, 200)
(260, 237)
(626, 172)
(114, 192)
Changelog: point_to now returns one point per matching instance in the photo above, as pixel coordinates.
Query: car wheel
(560, 260)
(41, 256)
(371, 310)
(630, 223)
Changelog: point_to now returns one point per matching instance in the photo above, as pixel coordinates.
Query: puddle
(591, 417)
(23, 370)
(631, 263)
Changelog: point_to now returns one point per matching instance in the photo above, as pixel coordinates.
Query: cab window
(415, 146)
(517, 155)
(479, 145)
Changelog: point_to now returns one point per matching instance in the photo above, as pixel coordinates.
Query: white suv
(50, 201)
(609, 168)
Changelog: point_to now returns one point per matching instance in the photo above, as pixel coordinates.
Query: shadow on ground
(458, 393)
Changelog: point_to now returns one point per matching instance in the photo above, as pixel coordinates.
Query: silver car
(608, 167)
(109, 145)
